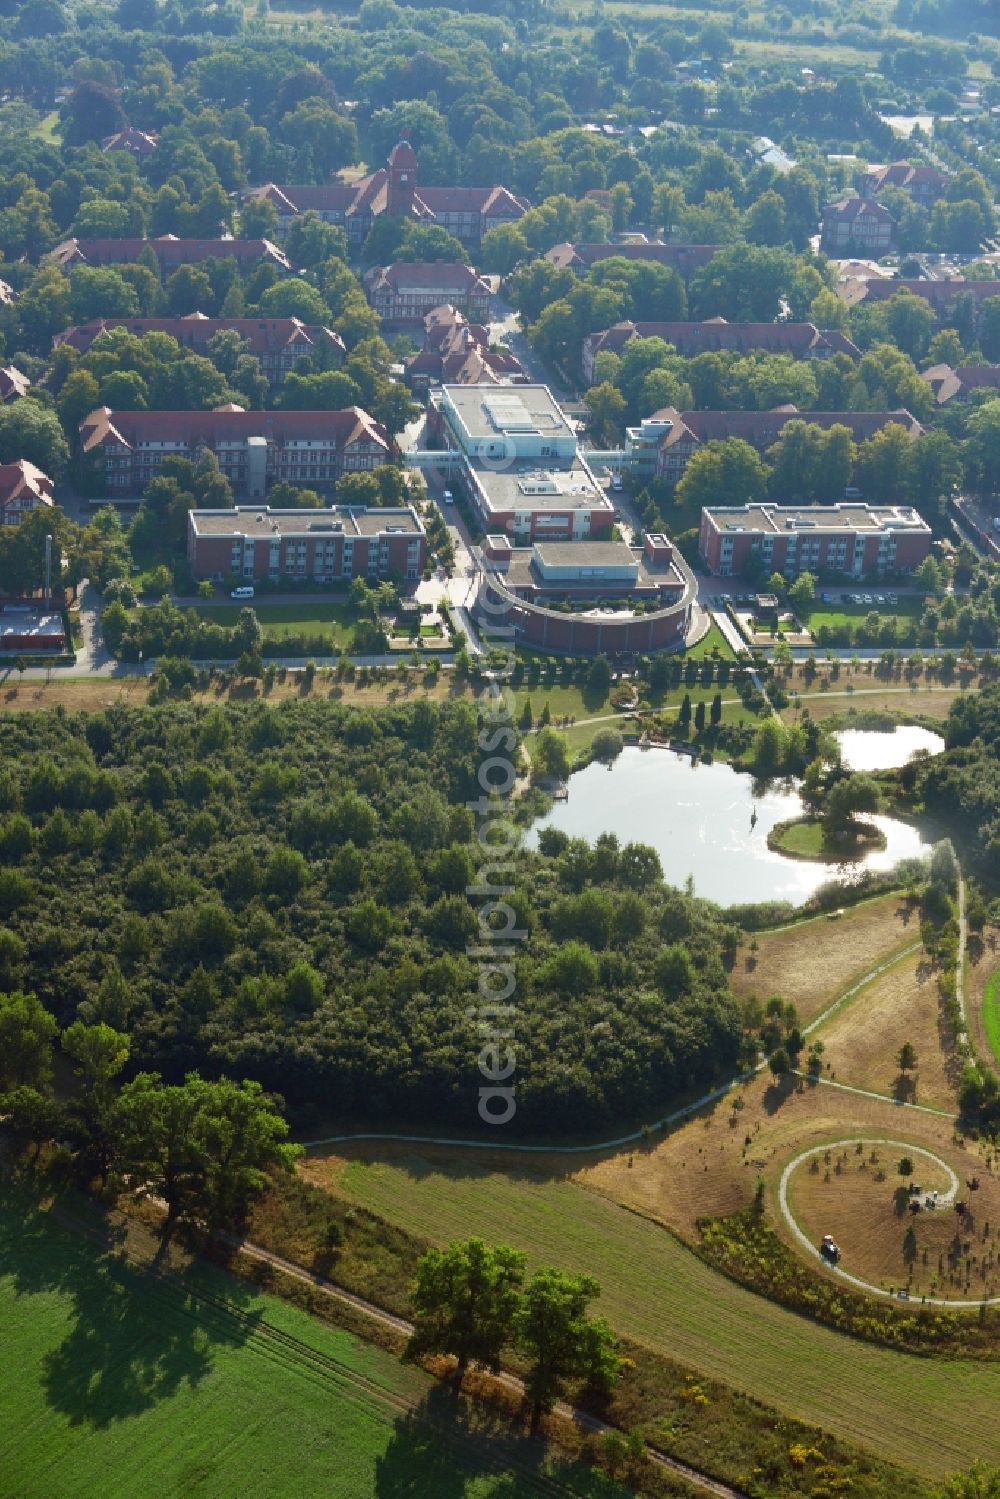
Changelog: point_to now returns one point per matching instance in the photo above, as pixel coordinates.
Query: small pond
(875, 749)
(697, 817)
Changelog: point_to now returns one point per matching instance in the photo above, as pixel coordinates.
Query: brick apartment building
(854, 226)
(23, 488)
(466, 212)
(801, 340)
(518, 462)
(408, 290)
(255, 449)
(277, 341)
(666, 442)
(170, 252)
(854, 540)
(322, 546)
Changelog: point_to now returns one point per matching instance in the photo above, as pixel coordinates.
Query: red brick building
(925, 185)
(255, 449)
(853, 540)
(678, 435)
(458, 352)
(954, 384)
(684, 259)
(276, 341)
(408, 290)
(170, 252)
(23, 488)
(466, 212)
(323, 546)
(800, 340)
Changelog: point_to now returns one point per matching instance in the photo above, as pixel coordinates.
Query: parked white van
(246, 592)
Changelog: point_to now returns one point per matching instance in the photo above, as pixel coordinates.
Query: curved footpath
(642, 1134)
(856, 1280)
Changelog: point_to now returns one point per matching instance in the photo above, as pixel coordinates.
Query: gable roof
(168, 249)
(761, 428)
(227, 424)
(450, 277)
(939, 293)
(947, 383)
(683, 258)
(23, 478)
(194, 329)
(12, 383)
(714, 334)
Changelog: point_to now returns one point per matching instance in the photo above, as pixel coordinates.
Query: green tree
(465, 1299)
(560, 1341)
(32, 431)
(204, 1147)
(27, 1032)
(802, 593)
(729, 472)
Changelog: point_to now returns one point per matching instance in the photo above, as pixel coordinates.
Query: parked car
(448, 497)
(244, 592)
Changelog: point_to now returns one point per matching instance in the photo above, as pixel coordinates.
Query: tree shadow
(435, 1448)
(777, 1092)
(136, 1336)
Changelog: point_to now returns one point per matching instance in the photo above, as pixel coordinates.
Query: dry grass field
(656, 1291)
(90, 694)
(812, 962)
(864, 694)
(862, 1200)
(862, 1038)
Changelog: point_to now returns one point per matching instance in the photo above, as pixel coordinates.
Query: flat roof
(486, 410)
(585, 553)
(792, 520)
(261, 520)
(14, 622)
(525, 485)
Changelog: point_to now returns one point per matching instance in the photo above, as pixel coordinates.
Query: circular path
(855, 1280)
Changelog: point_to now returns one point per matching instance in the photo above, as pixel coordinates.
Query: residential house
(12, 383)
(138, 143)
(255, 449)
(276, 341)
(466, 212)
(170, 252)
(406, 291)
(856, 226)
(801, 340)
(855, 540)
(458, 352)
(256, 543)
(23, 488)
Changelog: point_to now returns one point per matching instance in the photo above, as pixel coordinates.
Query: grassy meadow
(132, 1384)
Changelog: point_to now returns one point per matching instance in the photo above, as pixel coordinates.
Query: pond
(877, 749)
(697, 817)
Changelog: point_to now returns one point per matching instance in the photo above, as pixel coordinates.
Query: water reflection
(873, 749)
(698, 818)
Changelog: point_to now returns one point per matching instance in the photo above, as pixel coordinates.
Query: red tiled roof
(194, 328)
(678, 257)
(763, 427)
(451, 276)
(941, 293)
(192, 428)
(691, 339)
(22, 477)
(167, 248)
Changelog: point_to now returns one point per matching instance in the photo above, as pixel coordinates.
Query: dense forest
(963, 784)
(282, 895)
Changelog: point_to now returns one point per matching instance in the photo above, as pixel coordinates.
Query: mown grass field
(279, 620)
(119, 1383)
(656, 1291)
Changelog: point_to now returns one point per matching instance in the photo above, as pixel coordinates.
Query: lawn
(280, 620)
(658, 1292)
(991, 1013)
(131, 1384)
(909, 606)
